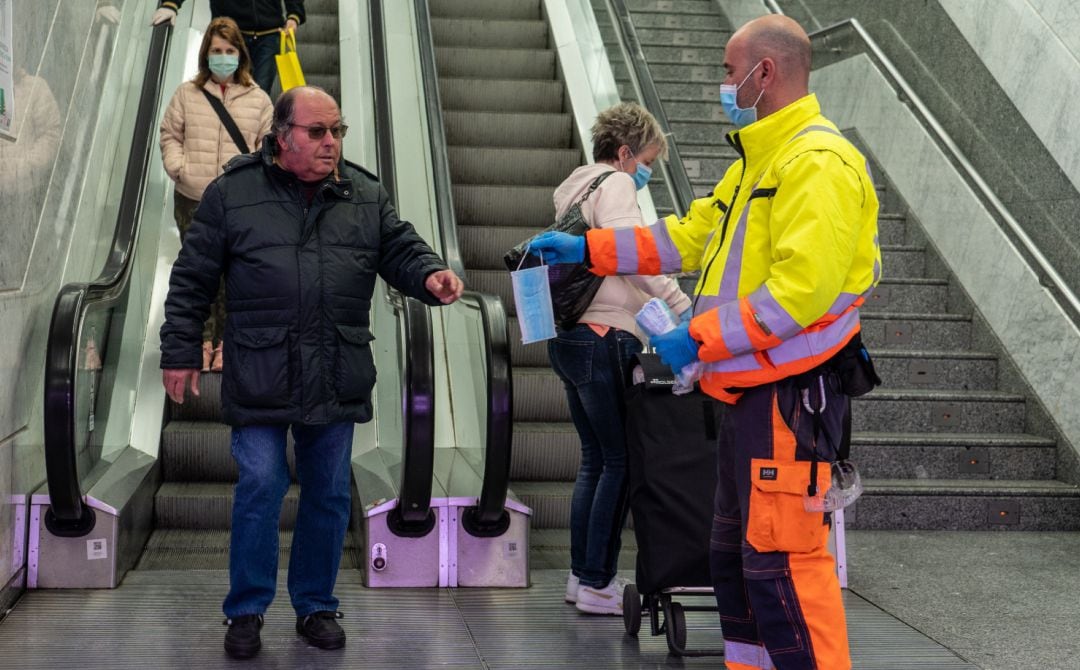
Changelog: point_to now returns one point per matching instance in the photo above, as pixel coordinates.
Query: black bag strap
(227, 121)
(593, 186)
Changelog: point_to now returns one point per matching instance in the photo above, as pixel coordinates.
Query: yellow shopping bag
(288, 63)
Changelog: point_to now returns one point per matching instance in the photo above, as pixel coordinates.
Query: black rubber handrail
(67, 515)
(489, 517)
(418, 392)
(678, 182)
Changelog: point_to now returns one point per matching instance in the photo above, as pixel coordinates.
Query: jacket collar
(342, 187)
(759, 141)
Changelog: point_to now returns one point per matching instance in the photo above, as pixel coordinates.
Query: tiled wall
(56, 198)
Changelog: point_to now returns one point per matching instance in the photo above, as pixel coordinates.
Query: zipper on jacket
(724, 224)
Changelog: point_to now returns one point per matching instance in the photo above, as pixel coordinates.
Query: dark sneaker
(321, 630)
(242, 639)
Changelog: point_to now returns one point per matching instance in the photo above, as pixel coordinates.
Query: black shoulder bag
(573, 286)
(227, 121)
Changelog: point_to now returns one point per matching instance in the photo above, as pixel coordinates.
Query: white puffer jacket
(194, 143)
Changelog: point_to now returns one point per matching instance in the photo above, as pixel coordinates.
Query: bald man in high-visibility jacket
(787, 246)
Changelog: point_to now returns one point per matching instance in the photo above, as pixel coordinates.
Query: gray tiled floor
(170, 620)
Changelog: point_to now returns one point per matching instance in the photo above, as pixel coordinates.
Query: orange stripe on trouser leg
(706, 329)
(759, 339)
(647, 254)
(783, 438)
(602, 251)
(813, 576)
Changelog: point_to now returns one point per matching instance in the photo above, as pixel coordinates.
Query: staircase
(193, 506)
(940, 445)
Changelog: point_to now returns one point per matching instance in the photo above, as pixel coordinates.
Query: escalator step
(508, 129)
(504, 205)
(501, 95)
(492, 9)
(208, 505)
(201, 451)
(183, 549)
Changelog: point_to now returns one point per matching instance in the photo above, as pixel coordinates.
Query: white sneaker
(572, 584)
(607, 600)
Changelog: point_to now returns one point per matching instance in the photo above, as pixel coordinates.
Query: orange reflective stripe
(783, 438)
(813, 575)
(648, 255)
(706, 329)
(602, 251)
(759, 338)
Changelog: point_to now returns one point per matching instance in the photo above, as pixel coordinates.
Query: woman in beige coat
(195, 144)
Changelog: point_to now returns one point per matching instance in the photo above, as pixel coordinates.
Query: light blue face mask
(223, 65)
(642, 175)
(532, 297)
(740, 116)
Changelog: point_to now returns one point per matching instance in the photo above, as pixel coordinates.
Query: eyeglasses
(317, 132)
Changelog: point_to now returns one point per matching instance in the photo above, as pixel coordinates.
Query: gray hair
(626, 123)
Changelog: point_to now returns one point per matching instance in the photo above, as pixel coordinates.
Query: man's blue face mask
(729, 93)
(532, 297)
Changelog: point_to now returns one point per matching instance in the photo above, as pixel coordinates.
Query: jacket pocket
(777, 520)
(259, 366)
(354, 376)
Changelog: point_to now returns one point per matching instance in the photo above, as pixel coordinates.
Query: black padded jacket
(299, 279)
(252, 15)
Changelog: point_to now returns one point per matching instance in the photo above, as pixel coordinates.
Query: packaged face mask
(845, 489)
(532, 296)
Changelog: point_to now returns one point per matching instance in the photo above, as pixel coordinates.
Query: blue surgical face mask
(642, 175)
(223, 65)
(532, 297)
(740, 116)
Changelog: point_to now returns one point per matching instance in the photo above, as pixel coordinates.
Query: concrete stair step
(907, 330)
(504, 33)
(920, 456)
(501, 95)
(668, 7)
(666, 19)
(511, 166)
(699, 36)
(503, 205)
(508, 129)
(956, 370)
(186, 549)
(208, 505)
(490, 9)
(494, 63)
(202, 451)
(897, 504)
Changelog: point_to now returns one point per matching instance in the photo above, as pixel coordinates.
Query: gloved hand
(162, 15)
(676, 348)
(558, 247)
(687, 314)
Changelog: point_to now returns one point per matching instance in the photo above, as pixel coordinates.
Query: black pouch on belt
(855, 368)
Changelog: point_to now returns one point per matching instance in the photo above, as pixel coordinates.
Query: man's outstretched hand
(556, 247)
(176, 382)
(676, 348)
(444, 285)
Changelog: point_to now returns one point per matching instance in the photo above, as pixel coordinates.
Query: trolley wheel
(676, 629)
(631, 610)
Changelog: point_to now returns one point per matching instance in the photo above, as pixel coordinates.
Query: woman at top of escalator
(197, 141)
(592, 357)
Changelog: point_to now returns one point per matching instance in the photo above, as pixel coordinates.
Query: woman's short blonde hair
(626, 123)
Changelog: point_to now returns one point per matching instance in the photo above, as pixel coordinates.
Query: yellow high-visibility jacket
(787, 246)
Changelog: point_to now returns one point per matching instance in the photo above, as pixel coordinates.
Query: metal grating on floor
(171, 619)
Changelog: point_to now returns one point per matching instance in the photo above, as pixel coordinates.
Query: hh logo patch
(768, 474)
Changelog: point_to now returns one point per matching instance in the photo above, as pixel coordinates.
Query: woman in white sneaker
(591, 358)
(196, 143)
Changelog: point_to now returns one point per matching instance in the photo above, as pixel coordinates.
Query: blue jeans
(322, 468)
(593, 370)
(262, 49)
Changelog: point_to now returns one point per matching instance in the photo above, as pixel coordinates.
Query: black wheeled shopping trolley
(671, 450)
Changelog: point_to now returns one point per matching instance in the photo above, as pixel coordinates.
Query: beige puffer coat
(194, 143)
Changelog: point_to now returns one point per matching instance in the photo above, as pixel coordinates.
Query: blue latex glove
(558, 247)
(687, 314)
(676, 348)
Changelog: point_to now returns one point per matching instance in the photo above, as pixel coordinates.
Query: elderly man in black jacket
(299, 235)
(261, 21)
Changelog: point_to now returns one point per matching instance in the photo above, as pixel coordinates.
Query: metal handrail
(489, 516)
(1049, 277)
(678, 182)
(418, 393)
(67, 514)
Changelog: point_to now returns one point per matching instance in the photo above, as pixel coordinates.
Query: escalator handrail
(67, 512)
(418, 392)
(678, 182)
(490, 510)
(1049, 276)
